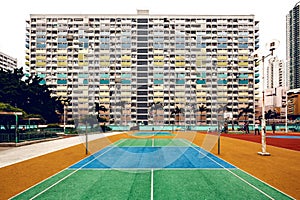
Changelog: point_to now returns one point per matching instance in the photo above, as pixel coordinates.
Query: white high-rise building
(276, 73)
(292, 43)
(7, 62)
(275, 92)
(141, 67)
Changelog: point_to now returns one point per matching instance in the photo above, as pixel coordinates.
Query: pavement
(12, 155)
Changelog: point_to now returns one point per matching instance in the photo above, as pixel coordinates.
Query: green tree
(202, 108)
(177, 113)
(99, 108)
(7, 121)
(244, 112)
(271, 115)
(29, 94)
(155, 107)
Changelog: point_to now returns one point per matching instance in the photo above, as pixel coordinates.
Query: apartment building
(292, 46)
(7, 62)
(276, 86)
(147, 69)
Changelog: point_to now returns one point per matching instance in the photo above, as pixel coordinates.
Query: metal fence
(27, 136)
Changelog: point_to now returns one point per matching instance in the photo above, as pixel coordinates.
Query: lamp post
(286, 102)
(65, 101)
(272, 45)
(65, 117)
(286, 113)
(16, 129)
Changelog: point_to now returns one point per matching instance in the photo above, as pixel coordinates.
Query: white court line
(236, 175)
(152, 182)
(54, 184)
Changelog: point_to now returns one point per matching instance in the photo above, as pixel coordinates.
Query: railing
(35, 134)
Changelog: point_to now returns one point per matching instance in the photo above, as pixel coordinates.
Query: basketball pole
(86, 140)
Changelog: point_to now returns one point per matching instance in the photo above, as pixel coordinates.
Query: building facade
(275, 92)
(147, 69)
(293, 108)
(7, 62)
(292, 44)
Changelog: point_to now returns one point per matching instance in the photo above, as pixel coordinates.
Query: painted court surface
(152, 168)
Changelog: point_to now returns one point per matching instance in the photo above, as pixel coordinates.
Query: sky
(270, 13)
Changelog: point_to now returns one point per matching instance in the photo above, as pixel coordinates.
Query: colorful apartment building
(143, 67)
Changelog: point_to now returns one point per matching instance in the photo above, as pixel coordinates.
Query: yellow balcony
(61, 57)
(63, 87)
(180, 100)
(104, 64)
(243, 100)
(222, 51)
(243, 51)
(243, 64)
(222, 64)
(41, 58)
(106, 100)
(62, 51)
(222, 57)
(243, 93)
(81, 56)
(63, 94)
(104, 57)
(126, 57)
(158, 57)
(125, 64)
(40, 51)
(158, 94)
(157, 87)
(201, 100)
(104, 87)
(104, 94)
(82, 51)
(158, 100)
(179, 58)
(180, 64)
(243, 57)
(41, 64)
(62, 64)
(81, 64)
(158, 64)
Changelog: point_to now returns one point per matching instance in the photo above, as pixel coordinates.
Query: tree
(202, 108)
(122, 105)
(244, 112)
(271, 115)
(7, 121)
(29, 94)
(177, 112)
(89, 120)
(99, 108)
(155, 107)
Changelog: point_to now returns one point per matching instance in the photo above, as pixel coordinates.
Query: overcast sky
(270, 13)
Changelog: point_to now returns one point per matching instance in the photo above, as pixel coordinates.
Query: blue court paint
(284, 136)
(152, 157)
(152, 133)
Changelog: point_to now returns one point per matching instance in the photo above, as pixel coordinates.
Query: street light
(271, 46)
(65, 101)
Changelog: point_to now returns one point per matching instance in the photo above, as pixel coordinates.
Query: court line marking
(54, 184)
(149, 169)
(267, 184)
(184, 140)
(230, 171)
(152, 182)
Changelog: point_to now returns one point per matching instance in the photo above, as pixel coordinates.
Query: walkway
(11, 155)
